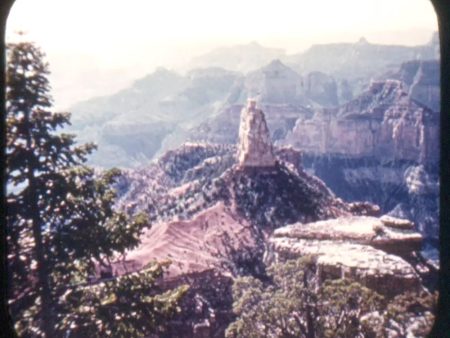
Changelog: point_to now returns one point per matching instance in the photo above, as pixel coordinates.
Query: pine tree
(61, 222)
(36, 159)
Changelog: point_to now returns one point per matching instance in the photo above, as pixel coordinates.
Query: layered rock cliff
(200, 189)
(384, 123)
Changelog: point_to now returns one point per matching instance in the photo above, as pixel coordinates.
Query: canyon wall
(383, 123)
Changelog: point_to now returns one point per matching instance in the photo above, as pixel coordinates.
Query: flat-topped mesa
(255, 146)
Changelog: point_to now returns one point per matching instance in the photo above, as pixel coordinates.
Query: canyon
(218, 213)
(335, 155)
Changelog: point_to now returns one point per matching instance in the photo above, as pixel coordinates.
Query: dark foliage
(61, 222)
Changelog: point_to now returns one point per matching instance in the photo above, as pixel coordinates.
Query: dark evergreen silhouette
(61, 224)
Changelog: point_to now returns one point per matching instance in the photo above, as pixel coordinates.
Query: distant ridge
(361, 59)
(242, 58)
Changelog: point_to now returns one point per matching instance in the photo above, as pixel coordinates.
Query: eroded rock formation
(255, 144)
(374, 251)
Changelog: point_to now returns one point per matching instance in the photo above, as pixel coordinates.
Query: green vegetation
(293, 304)
(61, 224)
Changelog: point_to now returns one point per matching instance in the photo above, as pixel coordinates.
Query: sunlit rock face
(383, 122)
(387, 274)
(390, 234)
(255, 146)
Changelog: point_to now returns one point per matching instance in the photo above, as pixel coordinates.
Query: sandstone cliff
(383, 122)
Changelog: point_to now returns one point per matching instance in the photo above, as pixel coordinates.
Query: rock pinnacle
(255, 146)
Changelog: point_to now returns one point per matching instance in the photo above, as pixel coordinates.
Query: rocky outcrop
(373, 251)
(195, 176)
(387, 274)
(364, 150)
(200, 202)
(212, 215)
(255, 144)
(392, 235)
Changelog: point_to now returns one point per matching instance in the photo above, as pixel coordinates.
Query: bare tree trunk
(310, 322)
(44, 292)
(309, 309)
(46, 311)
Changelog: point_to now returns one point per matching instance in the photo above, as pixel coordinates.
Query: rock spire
(255, 146)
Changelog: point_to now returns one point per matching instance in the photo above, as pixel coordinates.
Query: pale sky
(96, 47)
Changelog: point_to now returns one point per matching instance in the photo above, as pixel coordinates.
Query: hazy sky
(96, 47)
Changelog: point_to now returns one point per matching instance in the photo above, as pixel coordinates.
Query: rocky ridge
(360, 61)
(370, 148)
(256, 198)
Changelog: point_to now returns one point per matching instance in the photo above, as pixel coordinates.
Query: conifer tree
(36, 159)
(61, 223)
